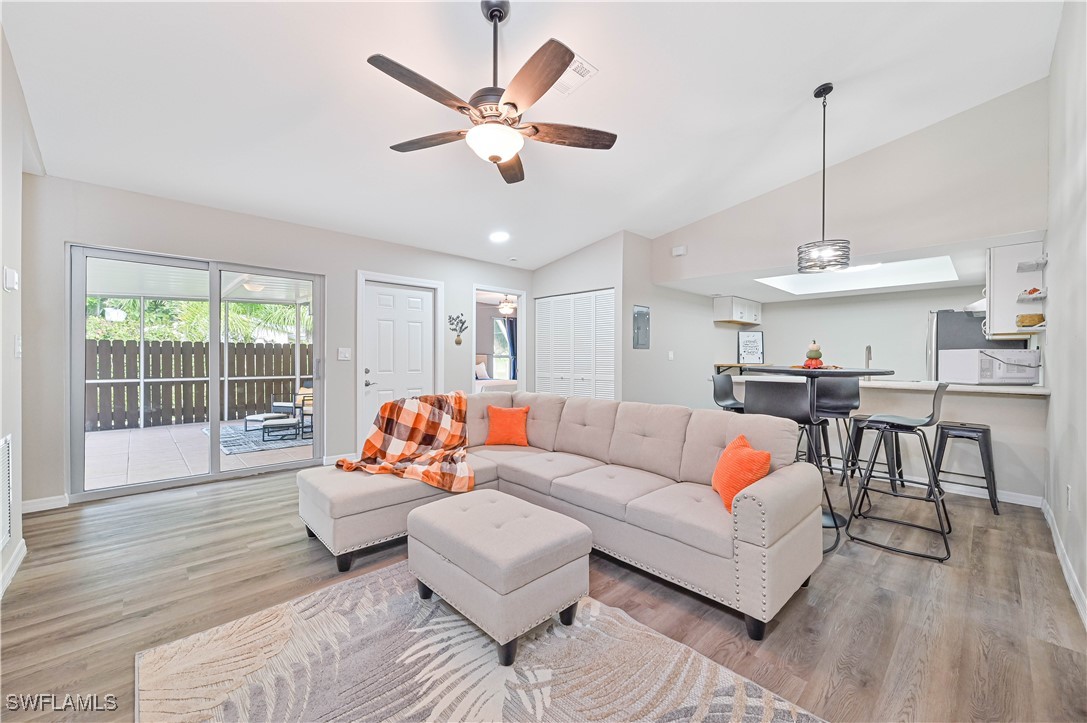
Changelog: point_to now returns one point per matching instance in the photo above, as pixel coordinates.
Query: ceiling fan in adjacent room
(498, 129)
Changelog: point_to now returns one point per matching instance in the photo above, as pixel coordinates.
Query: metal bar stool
(856, 440)
(980, 433)
(791, 401)
(836, 399)
(893, 425)
(723, 394)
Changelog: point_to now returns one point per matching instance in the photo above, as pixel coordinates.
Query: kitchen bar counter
(1016, 414)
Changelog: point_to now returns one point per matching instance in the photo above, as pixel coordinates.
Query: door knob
(367, 383)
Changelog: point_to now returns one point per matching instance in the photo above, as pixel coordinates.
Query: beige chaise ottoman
(505, 564)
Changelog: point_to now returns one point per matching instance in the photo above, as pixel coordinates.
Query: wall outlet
(1068, 497)
(671, 356)
(343, 353)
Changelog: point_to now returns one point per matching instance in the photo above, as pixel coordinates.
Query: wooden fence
(173, 386)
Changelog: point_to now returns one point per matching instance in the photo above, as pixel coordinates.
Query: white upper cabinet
(1009, 272)
(737, 310)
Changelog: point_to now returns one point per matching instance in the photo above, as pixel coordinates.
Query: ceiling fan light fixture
(495, 142)
(253, 286)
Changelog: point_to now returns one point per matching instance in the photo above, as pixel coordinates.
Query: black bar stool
(893, 425)
(980, 433)
(836, 399)
(723, 394)
(890, 448)
(790, 401)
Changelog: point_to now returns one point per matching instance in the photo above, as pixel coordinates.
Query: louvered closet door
(604, 345)
(562, 349)
(582, 350)
(543, 345)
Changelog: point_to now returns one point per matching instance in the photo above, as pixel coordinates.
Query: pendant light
(825, 254)
(507, 307)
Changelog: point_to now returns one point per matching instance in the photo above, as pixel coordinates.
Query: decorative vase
(458, 341)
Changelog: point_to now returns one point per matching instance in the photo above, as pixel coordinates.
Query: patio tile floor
(120, 457)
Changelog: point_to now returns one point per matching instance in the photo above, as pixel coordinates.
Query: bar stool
(790, 401)
(836, 399)
(980, 433)
(893, 425)
(723, 394)
(856, 440)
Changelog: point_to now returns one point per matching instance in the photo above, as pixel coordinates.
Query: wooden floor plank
(992, 633)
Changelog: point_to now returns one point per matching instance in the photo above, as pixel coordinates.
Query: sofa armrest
(763, 512)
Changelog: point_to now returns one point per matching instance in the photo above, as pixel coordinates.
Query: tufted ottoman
(505, 564)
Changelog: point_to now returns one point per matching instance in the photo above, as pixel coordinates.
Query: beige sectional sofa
(638, 475)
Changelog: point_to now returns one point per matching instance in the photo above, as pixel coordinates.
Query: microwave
(990, 366)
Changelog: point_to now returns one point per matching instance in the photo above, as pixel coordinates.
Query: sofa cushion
(543, 417)
(710, 431)
(586, 427)
(538, 471)
(607, 489)
(650, 437)
(477, 424)
(338, 494)
(502, 452)
(688, 512)
(486, 470)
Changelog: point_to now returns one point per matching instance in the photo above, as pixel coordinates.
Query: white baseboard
(331, 458)
(1013, 498)
(45, 503)
(13, 565)
(1066, 565)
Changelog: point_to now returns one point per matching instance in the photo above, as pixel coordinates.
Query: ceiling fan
(498, 129)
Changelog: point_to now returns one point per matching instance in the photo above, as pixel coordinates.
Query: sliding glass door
(145, 411)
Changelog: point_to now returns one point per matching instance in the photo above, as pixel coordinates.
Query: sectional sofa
(638, 475)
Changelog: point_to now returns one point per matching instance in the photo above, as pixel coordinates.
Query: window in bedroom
(501, 353)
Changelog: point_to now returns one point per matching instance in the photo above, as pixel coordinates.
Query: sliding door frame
(75, 397)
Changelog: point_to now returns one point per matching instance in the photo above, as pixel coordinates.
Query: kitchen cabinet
(737, 310)
(1009, 272)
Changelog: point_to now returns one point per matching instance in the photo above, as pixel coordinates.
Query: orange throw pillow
(508, 425)
(739, 466)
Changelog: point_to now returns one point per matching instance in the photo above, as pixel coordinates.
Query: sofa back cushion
(478, 426)
(543, 417)
(586, 427)
(711, 430)
(650, 437)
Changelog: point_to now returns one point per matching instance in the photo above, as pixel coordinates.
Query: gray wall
(895, 324)
(57, 210)
(1066, 337)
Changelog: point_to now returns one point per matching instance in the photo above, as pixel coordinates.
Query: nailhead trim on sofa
(356, 547)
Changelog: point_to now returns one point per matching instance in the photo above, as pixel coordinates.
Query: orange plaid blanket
(419, 438)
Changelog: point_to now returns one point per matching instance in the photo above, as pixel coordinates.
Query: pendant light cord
(824, 233)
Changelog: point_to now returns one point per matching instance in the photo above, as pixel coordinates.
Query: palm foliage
(179, 320)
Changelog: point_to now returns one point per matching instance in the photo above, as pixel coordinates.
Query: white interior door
(398, 345)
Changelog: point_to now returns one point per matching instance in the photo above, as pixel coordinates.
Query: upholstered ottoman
(505, 564)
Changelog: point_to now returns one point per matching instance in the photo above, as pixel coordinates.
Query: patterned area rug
(235, 440)
(370, 649)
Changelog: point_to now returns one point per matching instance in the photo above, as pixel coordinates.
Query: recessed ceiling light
(499, 237)
(870, 276)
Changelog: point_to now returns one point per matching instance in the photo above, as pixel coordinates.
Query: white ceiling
(271, 109)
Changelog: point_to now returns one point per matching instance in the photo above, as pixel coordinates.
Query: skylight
(930, 270)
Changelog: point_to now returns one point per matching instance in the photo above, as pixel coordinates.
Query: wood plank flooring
(991, 634)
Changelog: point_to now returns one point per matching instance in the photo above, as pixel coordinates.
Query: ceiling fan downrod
(495, 11)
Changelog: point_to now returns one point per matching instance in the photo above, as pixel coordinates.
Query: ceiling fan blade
(574, 136)
(413, 80)
(512, 170)
(538, 75)
(418, 144)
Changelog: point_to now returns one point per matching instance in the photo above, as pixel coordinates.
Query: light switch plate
(343, 353)
(671, 356)
(11, 279)
(18, 346)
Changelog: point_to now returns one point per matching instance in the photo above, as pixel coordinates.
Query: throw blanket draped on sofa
(420, 438)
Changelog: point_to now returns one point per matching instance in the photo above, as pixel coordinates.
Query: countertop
(916, 386)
